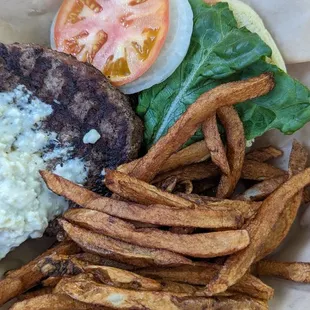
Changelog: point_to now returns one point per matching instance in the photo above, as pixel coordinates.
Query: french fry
(264, 154)
(215, 145)
(142, 192)
(121, 251)
(192, 154)
(23, 279)
(95, 259)
(51, 281)
(54, 302)
(162, 215)
(35, 293)
(202, 275)
(297, 272)
(259, 229)
(169, 184)
(198, 245)
(194, 172)
(206, 105)
(252, 170)
(235, 150)
(263, 189)
(117, 298)
(245, 208)
(257, 171)
(298, 162)
(122, 278)
(180, 288)
(185, 186)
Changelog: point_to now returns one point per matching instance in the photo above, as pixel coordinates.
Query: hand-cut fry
(245, 208)
(198, 245)
(122, 251)
(298, 161)
(122, 278)
(54, 302)
(264, 154)
(202, 275)
(259, 229)
(257, 171)
(263, 189)
(235, 150)
(192, 154)
(117, 298)
(297, 272)
(199, 171)
(142, 192)
(215, 145)
(252, 170)
(21, 280)
(35, 293)
(51, 281)
(155, 214)
(206, 105)
(95, 259)
(180, 288)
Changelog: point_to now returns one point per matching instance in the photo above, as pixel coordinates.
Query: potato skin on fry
(215, 145)
(21, 280)
(202, 245)
(235, 150)
(264, 154)
(122, 251)
(259, 229)
(54, 302)
(202, 275)
(297, 272)
(192, 154)
(206, 105)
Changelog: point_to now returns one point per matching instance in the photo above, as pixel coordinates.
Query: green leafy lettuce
(221, 52)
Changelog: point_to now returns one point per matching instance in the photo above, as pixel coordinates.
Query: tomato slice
(122, 38)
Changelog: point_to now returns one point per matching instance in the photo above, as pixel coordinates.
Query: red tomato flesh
(122, 38)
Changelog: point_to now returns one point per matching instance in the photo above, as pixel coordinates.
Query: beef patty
(82, 99)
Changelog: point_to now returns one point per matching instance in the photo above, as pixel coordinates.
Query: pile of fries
(160, 242)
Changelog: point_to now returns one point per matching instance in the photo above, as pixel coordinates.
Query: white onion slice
(173, 51)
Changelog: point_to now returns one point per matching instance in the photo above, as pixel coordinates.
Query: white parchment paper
(289, 23)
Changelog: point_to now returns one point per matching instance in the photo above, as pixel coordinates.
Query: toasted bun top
(247, 17)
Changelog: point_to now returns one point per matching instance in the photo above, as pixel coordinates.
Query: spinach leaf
(221, 52)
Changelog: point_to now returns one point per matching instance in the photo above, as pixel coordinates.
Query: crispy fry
(54, 302)
(155, 214)
(51, 281)
(246, 209)
(200, 171)
(202, 275)
(180, 288)
(252, 170)
(197, 245)
(206, 105)
(264, 154)
(298, 162)
(142, 192)
(235, 150)
(122, 278)
(257, 171)
(95, 293)
(21, 280)
(263, 189)
(259, 229)
(297, 272)
(95, 259)
(122, 251)
(35, 293)
(215, 145)
(192, 154)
